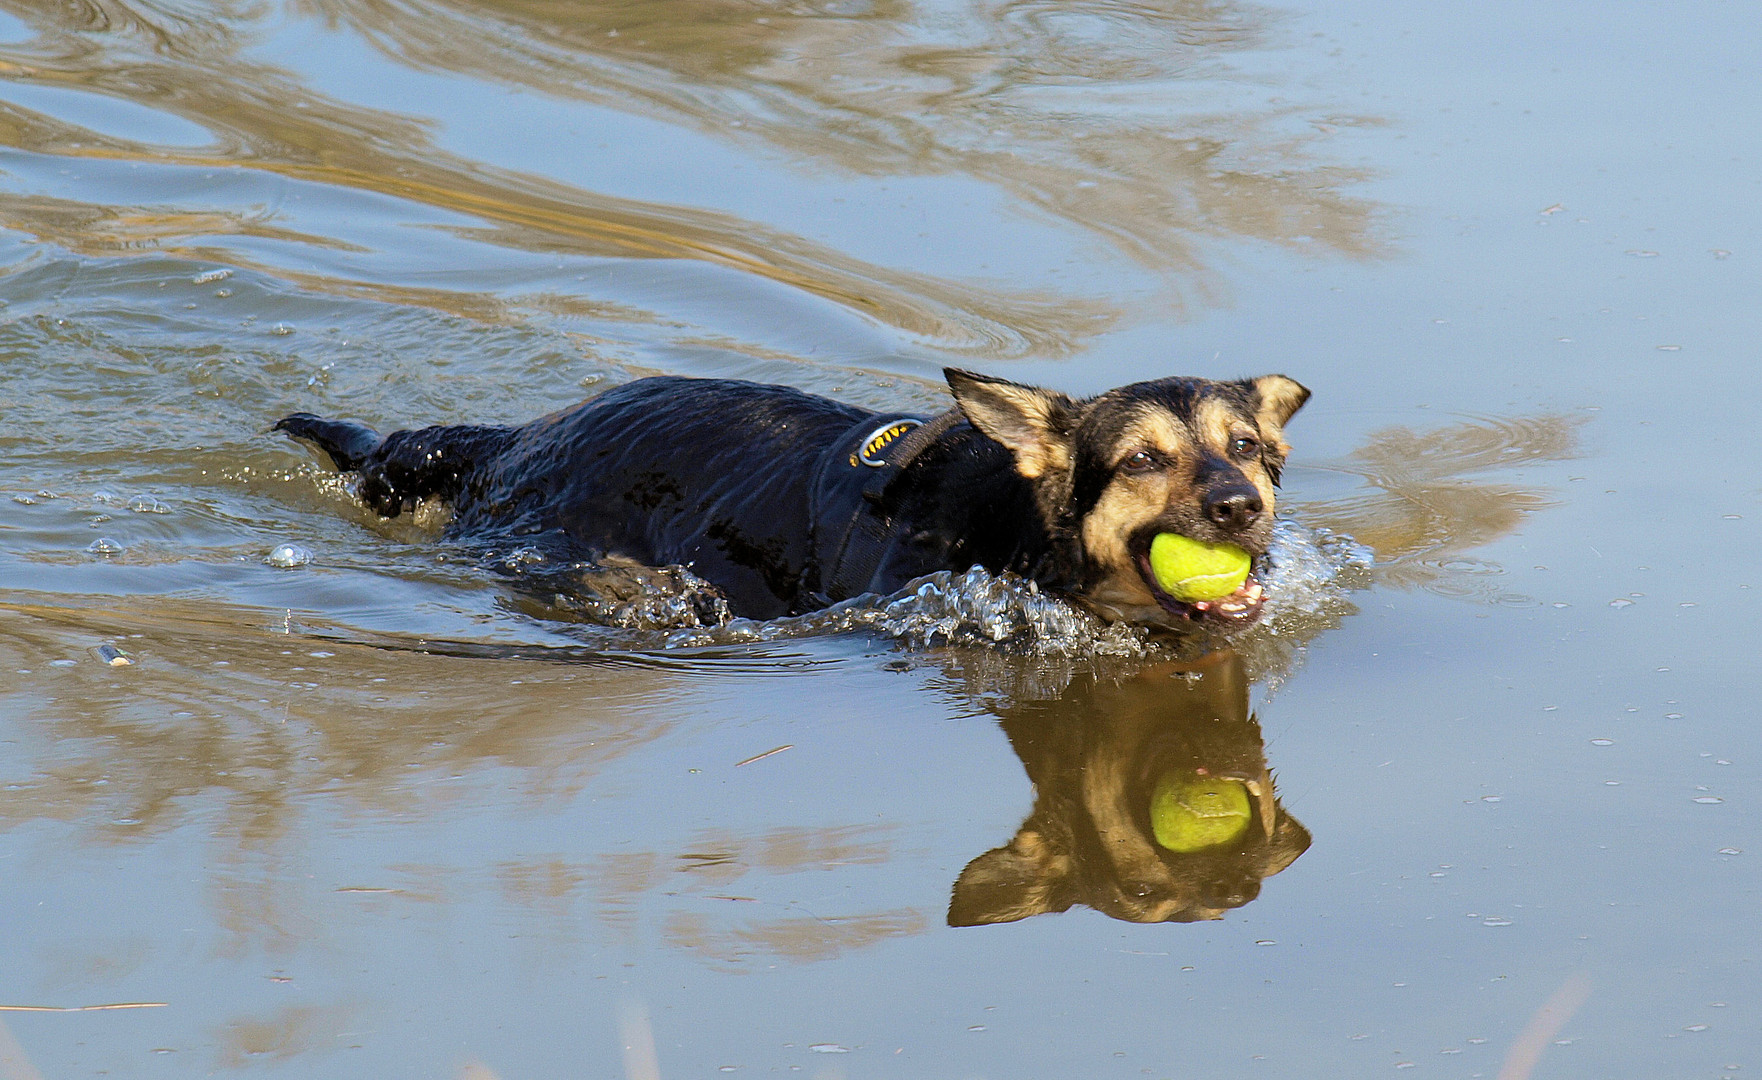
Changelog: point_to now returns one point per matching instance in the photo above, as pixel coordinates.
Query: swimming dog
(787, 502)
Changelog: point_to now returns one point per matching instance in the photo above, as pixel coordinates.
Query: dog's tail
(404, 466)
(345, 442)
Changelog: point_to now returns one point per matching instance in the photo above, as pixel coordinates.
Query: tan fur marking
(1154, 429)
(1218, 424)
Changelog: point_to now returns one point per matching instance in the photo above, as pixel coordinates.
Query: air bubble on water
(1619, 602)
(208, 276)
(281, 329)
(147, 504)
(288, 556)
(105, 546)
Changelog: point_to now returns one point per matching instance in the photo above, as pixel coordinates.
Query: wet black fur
(715, 475)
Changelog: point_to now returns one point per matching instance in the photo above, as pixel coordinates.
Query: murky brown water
(380, 813)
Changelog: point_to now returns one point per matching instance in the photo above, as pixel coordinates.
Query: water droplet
(829, 1048)
(1602, 742)
(281, 329)
(1696, 1027)
(1618, 602)
(1495, 922)
(288, 556)
(1709, 799)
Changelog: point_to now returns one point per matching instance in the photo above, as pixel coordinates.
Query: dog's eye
(1244, 445)
(1139, 462)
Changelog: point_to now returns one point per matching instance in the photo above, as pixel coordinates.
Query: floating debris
(85, 1008)
(113, 656)
(766, 754)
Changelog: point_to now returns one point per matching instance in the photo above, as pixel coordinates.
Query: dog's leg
(404, 466)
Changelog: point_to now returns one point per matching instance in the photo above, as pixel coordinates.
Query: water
(363, 806)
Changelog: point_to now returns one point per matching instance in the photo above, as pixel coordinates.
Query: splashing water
(1308, 574)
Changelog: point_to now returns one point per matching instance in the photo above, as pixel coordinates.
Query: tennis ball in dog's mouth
(1191, 813)
(1191, 570)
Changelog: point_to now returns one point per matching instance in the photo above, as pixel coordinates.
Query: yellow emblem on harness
(868, 453)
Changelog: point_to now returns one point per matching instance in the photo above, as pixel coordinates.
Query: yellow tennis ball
(1190, 570)
(1191, 813)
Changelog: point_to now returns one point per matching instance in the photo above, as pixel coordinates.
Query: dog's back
(708, 473)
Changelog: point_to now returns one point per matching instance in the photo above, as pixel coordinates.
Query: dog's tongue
(1248, 597)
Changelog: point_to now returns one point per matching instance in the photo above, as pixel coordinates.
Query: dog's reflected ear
(1034, 424)
(1279, 399)
(1288, 841)
(1009, 883)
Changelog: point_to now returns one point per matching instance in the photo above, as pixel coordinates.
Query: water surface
(365, 808)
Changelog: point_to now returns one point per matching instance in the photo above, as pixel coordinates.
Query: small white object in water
(105, 546)
(288, 556)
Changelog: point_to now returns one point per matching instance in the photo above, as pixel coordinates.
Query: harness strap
(883, 450)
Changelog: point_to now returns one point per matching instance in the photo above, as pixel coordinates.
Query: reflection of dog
(787, 502)
(1095, 757)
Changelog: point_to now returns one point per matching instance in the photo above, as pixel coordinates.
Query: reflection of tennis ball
(1191, 813)
(1190, 570)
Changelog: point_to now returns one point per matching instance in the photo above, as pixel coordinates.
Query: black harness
(851, 529)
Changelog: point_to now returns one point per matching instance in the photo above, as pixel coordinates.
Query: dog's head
(1188, 456)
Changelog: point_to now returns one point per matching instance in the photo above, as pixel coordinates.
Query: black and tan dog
(787, 502)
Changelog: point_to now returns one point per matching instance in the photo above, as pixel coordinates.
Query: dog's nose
(1233, 508)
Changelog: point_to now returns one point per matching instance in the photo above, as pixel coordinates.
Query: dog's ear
(1005, 884)
(1034, 424)
(1279, 399)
